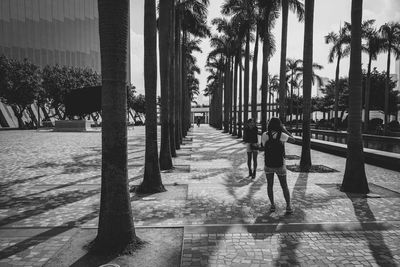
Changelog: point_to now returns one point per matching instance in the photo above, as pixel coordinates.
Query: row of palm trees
(385, 39)
(250, 20)
(254, 20)
(116, 230)
(179, 23)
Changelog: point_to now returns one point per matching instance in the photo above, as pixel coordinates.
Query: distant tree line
(22, 83)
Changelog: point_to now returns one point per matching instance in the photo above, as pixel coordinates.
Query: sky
(329, 15)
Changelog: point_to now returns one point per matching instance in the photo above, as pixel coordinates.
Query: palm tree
(244, 12)
(193, 19)
(215, 83)
(178, 76)
(172, 89)
(165, 10)
(372, 47)
(305, 161)
(293, 67)
(298, 7)
(273, 88)
(152, 179)
(116, 231)
(339, 49)
(391, 43)
(254, 112)
(300, 78)
(225, 44)
(269, 14)
(355, 180)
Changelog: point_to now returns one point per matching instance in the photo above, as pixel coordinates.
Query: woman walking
(250, 137)
(273, 141)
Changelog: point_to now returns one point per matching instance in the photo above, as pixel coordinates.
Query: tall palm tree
(305, 161)
(298, 7)
(355, 179)
(293, 67)
(254, 74)
(225, 44)
(243, 11)
(273, 88)
(165, 10)
(116, 231)
(152, 179)
(391, 35)
(178, 76)
(215, 83)
(372, 47)
(340, 49)
(269, 14)
(299, 78)
(193, 19)
(172, 89)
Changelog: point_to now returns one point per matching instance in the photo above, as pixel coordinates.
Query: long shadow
(65, 185)
(288, 243)
(42, 237)
(4, 186)
(380, 251)
(42, 204)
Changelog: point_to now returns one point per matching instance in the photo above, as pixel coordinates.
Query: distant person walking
(198, 121)
(250, 137)
(274, 154)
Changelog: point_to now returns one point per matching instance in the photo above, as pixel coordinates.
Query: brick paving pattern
(51, 181)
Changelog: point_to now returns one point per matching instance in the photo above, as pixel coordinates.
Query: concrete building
(49, 32)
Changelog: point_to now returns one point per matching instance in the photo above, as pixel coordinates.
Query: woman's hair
(274, 125)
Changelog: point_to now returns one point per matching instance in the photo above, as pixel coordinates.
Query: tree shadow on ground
(41, 204)
(46, 235)
(376, 243)
(288, 243)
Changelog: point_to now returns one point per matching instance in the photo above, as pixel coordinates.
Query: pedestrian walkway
(50, 188)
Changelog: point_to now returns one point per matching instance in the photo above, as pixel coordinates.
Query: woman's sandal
(289, 211)
(272, 209)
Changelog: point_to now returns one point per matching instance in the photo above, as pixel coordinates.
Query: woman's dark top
(250, 134)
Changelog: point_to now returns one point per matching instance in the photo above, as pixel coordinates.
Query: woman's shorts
(250, 149)
(278, 171)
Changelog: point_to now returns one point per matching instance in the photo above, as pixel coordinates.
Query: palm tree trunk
(254, 80)
(172, 88)
(367, 95)
(165, 49)
(246, 76)
(178, 82)
(305, 161)
(184, 83)
(282, 76)
(152, 179)
(291, 101)
(226, 96)
(387, 114)
(231, 95)
(235, 93)
(336, 107)
(240, 123)
(264, 82)
(354, 179)
(116, 230)
(219, 105)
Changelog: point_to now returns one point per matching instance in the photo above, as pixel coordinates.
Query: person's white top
(264, 137)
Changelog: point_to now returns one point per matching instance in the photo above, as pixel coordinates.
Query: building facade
(50, 32)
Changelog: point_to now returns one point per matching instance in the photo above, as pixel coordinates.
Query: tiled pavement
(49, 184)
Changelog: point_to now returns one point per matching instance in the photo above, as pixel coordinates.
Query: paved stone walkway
(50, 185)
